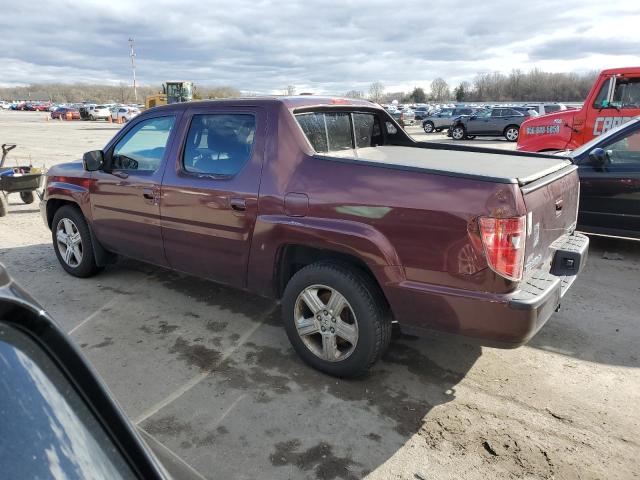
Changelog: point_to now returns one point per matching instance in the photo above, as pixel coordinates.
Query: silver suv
(442, 119)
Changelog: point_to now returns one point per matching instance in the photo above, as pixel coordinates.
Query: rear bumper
(500, 320)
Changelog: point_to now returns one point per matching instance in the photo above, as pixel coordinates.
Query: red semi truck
(613, 100)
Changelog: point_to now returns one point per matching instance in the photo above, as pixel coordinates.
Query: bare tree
(440, 90)
(376, 91)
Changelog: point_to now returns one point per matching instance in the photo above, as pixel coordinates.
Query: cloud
(323, 46)
(578, 47)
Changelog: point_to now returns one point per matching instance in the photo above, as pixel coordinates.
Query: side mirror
(598, 157)
(93, 161)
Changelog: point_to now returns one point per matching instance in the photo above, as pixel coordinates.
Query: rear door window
(219, 144)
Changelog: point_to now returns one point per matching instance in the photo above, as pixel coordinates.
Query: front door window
(143, 147)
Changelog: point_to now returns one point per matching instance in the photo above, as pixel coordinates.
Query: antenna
(133, 68)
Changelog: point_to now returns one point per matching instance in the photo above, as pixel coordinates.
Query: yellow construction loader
(172, 92)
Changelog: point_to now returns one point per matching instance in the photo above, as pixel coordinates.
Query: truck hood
(547, 132)
(69, 168)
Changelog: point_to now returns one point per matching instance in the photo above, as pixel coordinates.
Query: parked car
(99, 112)
(546, 108)
(337, 211)
(58, 418)
(421, 112)
(85, 109)
(4, 105)
(122, 113)
(491, 122)
(63, 112)
(443, 119)
(609, 168)
(403, 117)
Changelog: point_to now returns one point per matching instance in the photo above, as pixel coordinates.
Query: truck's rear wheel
(335, 319)
(72, 242)
(511, 133)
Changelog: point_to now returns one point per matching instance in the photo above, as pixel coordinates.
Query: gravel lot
(208, 371)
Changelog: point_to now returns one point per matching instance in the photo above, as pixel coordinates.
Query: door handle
(147, 193)
(238, 204)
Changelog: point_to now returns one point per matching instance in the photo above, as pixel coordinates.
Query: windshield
(596, 140)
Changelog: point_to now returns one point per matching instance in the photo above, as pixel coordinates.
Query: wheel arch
(277, 254)
(55, 204)
(293, 257)
(102, 256)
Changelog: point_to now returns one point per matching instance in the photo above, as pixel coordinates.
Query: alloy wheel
(69, 242)
(326, 323)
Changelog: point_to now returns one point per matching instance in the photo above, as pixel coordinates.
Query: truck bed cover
(495, 167)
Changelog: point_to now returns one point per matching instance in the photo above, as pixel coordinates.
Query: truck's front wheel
(72, 242)
(334, 319)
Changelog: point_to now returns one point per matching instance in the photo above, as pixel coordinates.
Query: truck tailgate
(552, 205)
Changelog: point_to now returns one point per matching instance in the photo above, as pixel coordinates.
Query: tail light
(503, 240)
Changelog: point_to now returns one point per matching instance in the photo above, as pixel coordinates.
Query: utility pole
(133, 67)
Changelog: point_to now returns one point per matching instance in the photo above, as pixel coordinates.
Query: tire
(27, 197)
(428, 127)
(511, 133)
(4, 205)
(73, 224)
(458, 132)
(362, 318)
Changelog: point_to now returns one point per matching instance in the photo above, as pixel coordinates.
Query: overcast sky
(319, 46)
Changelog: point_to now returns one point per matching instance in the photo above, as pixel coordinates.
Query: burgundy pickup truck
(330, 206)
